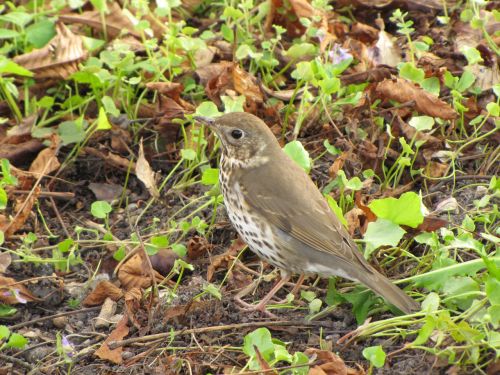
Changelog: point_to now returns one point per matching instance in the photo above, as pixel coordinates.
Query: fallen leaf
(135, 273)
(23, 209)
(115, 20)
(404, 91)
(198, 246)
(108, 309)
(58, 59)
(45, 163)
(13, 292)
(5, 261)
(115, 355)
(103, 290)
(145, 174)
(227, 257)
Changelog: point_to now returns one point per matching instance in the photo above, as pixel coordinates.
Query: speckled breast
(253, 230)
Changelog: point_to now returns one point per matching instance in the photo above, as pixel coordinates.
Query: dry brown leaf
(385, 51)
(58, 59)
(145, 174)
(20, 153)
(116, 22)
(404, 91)
(245, 84)
(262, 362)
(23, 209)
(332, 364)
(338, 164)
(135, 273)
(13, 292)
(45, 163)
(198, 246)
(227, 256)
(111, 158)
(115, 355)
(103, 290)
(436, 169)
(5, 260)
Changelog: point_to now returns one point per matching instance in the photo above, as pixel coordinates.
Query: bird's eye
(237, 134)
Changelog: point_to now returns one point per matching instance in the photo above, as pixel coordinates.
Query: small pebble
(60, 321)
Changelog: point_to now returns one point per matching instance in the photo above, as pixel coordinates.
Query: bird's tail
(385, 288)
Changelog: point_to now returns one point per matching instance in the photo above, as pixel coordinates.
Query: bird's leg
(261, 306)
(295, 290)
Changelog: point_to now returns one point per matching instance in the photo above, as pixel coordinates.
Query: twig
(16, 361)
(116, 344)
(43, 319)
(49, 194)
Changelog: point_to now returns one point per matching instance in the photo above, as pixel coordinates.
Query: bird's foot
(260, 307)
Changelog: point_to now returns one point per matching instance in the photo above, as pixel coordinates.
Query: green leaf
(422, 123)
(188, 154)
(210, 176)
(465, 81)
(303, 71)
(493, 109)
(6, 310)
(8, 34)
(382, 233)
(492, 287)
(233, 104)
(431, 85)
(454, 286)
(179, 249)
(207, 109)
(330, 148)
(119, 254)
(102, 120)
(404, 210)
(425, 331)
(65, 245)
(4, 332)
(10, 67)
(2, 237)
(100, 209)
(71, 132)
(409, 71)
(298, 154)
(40, 33)
(375, 354)
(336, 209)
(17, 341)
(3, 198)
(299, 50)
(471, 54)
(109, 106)
(213, 290)
(261, 338)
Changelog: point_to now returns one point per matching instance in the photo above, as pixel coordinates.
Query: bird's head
(243, 136)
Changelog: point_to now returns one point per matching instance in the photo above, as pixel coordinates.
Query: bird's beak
(210, 122)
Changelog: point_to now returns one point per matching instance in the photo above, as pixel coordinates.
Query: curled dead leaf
(404, 91)
(58, 59)
(136, 273)
(115, 355)
(45, 163)
(23, 209)
(13, 292)
(144, 173)
(103, 290)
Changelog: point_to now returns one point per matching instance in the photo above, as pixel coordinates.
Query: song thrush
(280, 213)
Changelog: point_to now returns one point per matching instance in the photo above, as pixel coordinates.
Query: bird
(282, 216)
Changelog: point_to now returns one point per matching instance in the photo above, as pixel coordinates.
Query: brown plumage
(279, 212)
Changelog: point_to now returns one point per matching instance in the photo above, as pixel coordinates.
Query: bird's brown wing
(294, 205)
